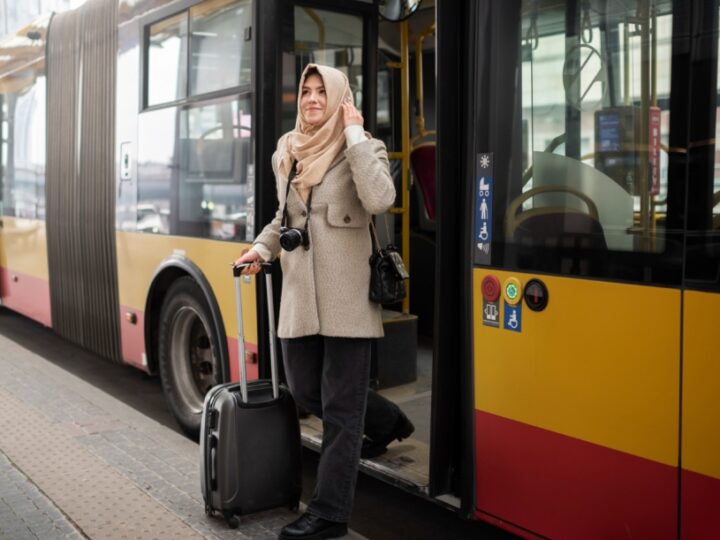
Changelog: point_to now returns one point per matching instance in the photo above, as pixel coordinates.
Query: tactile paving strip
(100, 502)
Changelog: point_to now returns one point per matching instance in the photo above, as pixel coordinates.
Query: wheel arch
(169, 270)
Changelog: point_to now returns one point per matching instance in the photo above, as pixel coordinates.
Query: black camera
(291, 237)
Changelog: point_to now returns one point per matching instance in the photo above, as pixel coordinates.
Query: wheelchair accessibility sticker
(483, 209)
(513, 317)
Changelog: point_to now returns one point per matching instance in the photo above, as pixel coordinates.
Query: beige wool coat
(325, 288)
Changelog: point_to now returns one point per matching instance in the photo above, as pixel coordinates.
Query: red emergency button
(490, 287)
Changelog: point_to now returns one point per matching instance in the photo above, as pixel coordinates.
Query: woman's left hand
(351, 116)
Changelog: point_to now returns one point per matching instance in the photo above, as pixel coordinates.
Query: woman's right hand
(249, 256)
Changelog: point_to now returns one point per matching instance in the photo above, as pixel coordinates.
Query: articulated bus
(558, 209)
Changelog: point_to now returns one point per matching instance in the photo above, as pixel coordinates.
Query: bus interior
(405, 119)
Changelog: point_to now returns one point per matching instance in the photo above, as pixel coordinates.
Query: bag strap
(291, 177)
(373, 234)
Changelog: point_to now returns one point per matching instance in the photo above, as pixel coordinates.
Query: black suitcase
(250, 453)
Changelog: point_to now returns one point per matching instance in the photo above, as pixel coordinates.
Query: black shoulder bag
(387, 273)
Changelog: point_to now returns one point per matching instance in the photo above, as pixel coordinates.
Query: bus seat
(555, 226)
(422, 159)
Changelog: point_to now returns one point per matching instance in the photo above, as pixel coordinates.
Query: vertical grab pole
(240, 337)
(271, 323)
(405, 134)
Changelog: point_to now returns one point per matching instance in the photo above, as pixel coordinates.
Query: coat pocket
(349, 216)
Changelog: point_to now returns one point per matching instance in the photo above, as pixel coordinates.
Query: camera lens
(290, 239)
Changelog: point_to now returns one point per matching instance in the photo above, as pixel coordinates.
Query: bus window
(214, 187)
(211, 196)
(325, 37)
(22, 181)
(219, 38)
(589, 166)
(195, 156)
(166, 60)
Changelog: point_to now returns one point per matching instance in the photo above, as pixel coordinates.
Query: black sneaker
(402, 429)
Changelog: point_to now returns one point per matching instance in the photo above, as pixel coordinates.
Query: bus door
(700, 438)
(376, 56)
(577, 265)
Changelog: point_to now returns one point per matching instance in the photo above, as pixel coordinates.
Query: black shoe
(309, 527)
(402, 429)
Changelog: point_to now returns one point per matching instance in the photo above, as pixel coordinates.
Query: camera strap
(291, 177)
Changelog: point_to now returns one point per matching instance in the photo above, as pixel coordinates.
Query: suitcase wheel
(209, 511)
(232, 520)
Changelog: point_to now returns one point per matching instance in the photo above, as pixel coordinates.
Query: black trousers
(329, 377)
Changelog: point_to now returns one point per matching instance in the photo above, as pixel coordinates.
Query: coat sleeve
(267, 243)
(371, 175)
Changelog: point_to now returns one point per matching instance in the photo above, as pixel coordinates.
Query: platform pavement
(77, 463)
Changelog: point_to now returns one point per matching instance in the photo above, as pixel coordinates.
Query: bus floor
(405, 462)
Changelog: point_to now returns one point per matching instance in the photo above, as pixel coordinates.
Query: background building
(16, 13)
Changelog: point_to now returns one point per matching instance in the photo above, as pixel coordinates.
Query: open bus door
(579, 165)
(379, 56)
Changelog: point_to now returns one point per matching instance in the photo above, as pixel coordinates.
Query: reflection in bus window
(702, 269)
(199, 183)
(324, 37)
(22, 180)
(166, 60)
(595, 92)
(220, 54)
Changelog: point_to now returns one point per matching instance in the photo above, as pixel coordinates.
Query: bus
(558, 209)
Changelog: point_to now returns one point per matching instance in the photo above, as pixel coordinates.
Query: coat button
(346, 219)
(303, 213)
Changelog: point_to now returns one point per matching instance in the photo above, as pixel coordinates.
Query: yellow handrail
(419, 94)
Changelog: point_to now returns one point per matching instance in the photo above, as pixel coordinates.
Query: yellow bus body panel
(701, 384)
(600, 364)
(140, 254)
(24, 246)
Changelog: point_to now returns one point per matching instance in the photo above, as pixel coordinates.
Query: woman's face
(313, 100)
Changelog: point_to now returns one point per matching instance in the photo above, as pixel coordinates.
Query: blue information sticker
(491, 313)
(483, 205)
(512, 317)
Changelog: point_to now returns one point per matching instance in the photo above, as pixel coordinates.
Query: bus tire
(188, 353)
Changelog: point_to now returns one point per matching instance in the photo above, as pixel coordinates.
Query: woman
(338, 177)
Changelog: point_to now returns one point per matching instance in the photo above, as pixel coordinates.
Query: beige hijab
(314, 147)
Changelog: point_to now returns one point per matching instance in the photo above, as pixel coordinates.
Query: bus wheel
(188, 354)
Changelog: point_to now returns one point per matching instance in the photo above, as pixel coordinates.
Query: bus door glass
(700, 451)
(577, 262)
(324, 37)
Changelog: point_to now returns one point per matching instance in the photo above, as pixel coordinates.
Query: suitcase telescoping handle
(267, 270)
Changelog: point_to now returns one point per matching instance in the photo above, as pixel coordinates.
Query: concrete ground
(77, 463)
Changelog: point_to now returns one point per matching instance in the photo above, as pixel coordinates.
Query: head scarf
(314, 147)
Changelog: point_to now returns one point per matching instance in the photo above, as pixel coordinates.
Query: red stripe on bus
(700, 506)
(132, 336)
(252, 368)
(26, 294)
(561, 487)
(133, 345)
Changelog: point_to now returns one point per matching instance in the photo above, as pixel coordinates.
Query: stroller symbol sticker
(483, 210)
